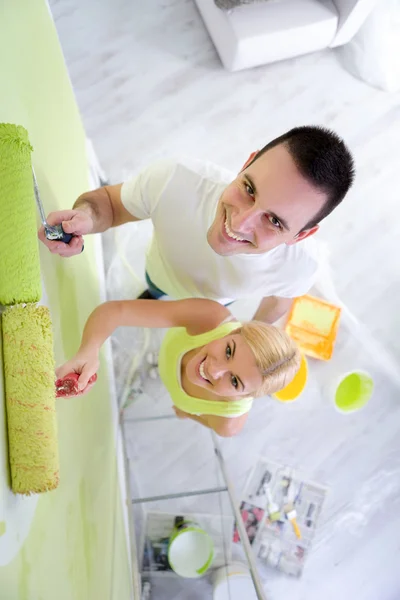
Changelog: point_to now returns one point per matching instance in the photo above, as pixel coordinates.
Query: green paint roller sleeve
(19, 251)
(30, 398)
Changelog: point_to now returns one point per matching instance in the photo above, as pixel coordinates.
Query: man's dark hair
(323, 159)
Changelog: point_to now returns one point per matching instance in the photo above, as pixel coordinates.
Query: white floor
(149, 84)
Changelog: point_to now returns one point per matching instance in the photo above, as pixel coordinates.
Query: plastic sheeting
(126, 249)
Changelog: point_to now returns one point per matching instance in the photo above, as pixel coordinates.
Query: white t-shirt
(181, 199)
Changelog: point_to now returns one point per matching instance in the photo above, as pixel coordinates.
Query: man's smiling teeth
(231, 234)
(202, 372)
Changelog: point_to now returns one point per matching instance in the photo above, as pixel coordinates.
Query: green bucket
(353, 391)
(190, 550)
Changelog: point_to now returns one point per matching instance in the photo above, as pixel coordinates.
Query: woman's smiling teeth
(231, 234)
(202, 372)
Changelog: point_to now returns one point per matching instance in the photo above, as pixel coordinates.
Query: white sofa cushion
(229, 4)
(352, 14)
(265, 32)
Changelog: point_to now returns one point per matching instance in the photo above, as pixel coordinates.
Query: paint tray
(313, 325)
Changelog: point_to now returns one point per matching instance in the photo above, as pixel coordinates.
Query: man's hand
(76, 222)
(93, 212)
(272, 308)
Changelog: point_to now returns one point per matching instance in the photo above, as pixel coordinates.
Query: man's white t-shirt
(181, 200)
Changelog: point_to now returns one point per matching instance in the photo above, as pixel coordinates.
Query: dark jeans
(156, 293)
(153, 289)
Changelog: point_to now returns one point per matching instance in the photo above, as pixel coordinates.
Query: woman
(211, 364)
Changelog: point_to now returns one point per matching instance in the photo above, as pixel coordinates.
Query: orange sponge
(313, 324)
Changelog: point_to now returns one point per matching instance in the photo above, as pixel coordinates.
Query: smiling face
(268, 204)
(225, 367)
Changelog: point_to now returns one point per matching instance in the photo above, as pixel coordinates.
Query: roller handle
(57, 233)
(65, 237)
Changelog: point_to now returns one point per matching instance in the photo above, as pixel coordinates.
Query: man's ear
(248, 161)
(303, 235)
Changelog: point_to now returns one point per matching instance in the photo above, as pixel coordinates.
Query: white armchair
(271, 30)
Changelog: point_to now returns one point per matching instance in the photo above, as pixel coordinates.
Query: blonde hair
(277, 356)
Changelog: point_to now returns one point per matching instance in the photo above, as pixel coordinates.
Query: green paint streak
(86, 529)
(25, 573)
(75, 571)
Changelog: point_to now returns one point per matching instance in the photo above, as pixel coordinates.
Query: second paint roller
(30, 398)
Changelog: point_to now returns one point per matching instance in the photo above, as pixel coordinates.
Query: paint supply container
(313, 324)
(296, 386)
(190, 550)
(233, 582)
(352, 391)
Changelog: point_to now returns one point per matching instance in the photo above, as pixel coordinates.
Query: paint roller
(30, 398)
(19, 264)
(26, 327)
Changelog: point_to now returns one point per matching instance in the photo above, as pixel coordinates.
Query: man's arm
(93, 212)
(104, 206)
(272, 308)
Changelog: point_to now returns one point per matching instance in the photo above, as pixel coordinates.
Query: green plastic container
(353, 391)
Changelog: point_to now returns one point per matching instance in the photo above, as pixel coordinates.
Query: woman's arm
(194, 314)
(197, 315)
(223, 426)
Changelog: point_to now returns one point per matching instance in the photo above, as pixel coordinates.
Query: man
(223, 237)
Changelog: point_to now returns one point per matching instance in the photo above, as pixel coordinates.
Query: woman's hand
(180, 413)
(85, 364)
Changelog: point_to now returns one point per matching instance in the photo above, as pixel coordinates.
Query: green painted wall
(76, 547)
